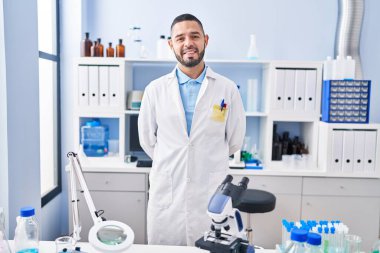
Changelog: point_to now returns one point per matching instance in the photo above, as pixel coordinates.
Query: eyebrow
(192, 33)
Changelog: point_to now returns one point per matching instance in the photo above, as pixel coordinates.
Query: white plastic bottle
(252, 50)
(314, 242)
(298, 239)
(328, 69)
(27, 232)
(338, 68)
(349, 69)
(161, 47)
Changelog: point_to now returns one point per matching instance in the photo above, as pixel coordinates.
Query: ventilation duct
(347, 40)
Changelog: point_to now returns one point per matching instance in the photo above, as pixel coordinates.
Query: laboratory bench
(49, 246)
(123, 193)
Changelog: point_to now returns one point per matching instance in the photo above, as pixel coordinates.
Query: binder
(83, 86)
(348, 151)
(93, 77)
(289, 89)
(299, 95)
(337, 151)
(359, 146)
(103, 86)
(278, 98)
(310, 90)
(114, 86)
(370, 151)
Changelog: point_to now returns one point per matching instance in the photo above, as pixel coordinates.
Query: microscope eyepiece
(244, 182)
(228, 179)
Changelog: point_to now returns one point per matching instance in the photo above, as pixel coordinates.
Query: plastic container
(338, 68)
(27, 232)
(376, 247)
(161, 47)
(328, 69)
(349, 69)
(252, 50)
(298, 239)
(314, 242)
(94, 138)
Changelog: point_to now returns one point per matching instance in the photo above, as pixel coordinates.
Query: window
(48, 37)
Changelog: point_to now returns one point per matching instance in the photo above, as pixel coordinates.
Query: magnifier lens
(111, 235)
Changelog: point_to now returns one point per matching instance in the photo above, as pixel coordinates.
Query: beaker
(64, 244)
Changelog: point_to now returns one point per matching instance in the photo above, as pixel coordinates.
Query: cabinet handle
(139, 200)
(264, 185)
(107, 181)
(308, 204)
(341, 187)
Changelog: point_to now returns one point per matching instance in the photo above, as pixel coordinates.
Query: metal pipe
(347, 38)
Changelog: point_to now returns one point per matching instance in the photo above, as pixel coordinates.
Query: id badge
(218, 114)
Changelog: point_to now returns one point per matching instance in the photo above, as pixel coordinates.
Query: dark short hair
(186, 17)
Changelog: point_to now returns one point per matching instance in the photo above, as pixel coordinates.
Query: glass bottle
(94, 49)
(314, 242)
(110, 50)
(85, 47)
(27, 232)
(376, 247)
(120, 49)
(298, 238)
(100, 48)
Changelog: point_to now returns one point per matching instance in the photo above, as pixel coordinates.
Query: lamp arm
(75, 171)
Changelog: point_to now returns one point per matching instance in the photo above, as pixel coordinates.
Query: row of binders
(353, 151)
(295, 90)
(98, 86)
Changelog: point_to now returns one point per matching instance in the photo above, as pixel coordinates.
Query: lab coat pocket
(161, 189)
(214, 180)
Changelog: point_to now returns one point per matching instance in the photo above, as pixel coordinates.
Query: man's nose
(188, 41)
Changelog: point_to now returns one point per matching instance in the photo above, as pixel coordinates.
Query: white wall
(22, 111)
(3, 123)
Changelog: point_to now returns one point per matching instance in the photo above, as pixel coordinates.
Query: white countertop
(49, 247)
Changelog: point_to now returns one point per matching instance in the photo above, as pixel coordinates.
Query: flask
(252, 50)
(26, 234)
(298, 238)
(100, 48)
(314, 242)
(161, 47)
(110, 50)
(120, 49)
(4, 245)
(376, 247)
(85, 47)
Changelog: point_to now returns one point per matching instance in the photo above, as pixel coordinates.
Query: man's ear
(206, 40)
(170, 43)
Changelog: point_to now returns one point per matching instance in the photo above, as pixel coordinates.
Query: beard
(190, 62)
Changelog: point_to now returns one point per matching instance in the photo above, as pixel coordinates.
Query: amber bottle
(101, 49)
(95, 49)
(85, 47)
(120, 49)
(110, 51)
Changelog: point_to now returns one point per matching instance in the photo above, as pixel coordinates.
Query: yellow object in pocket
(218, 114)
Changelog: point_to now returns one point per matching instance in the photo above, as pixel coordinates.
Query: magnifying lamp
(105, 235)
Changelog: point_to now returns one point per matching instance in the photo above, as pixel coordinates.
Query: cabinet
(356, 202)
(122, 197)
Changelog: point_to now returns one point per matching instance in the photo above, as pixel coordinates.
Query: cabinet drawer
(341, 187)
(274, 184)
(115, 181)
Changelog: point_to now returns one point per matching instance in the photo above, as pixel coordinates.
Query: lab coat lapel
(207, 81)
(175, 94)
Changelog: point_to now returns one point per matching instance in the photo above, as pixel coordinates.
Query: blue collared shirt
(189, 89)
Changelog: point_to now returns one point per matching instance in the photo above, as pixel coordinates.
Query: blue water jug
(94, 138)
(27, 232)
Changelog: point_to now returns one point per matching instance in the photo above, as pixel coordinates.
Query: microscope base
(225, 244)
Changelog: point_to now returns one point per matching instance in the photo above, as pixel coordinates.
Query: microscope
(228, 234)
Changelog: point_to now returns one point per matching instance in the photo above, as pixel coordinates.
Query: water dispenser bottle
(26, 234)
(94, 138)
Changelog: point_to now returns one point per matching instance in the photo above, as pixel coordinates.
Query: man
(190, 121)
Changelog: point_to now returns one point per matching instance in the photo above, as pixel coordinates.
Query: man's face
(188, 43)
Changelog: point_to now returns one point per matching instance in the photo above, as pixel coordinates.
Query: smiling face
(188, 43)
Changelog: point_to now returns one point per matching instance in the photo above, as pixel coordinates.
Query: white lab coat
(187, 169)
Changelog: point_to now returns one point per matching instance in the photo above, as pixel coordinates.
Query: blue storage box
(94, 138)
(346, 101)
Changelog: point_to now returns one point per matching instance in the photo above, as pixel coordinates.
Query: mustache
(190, 48)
